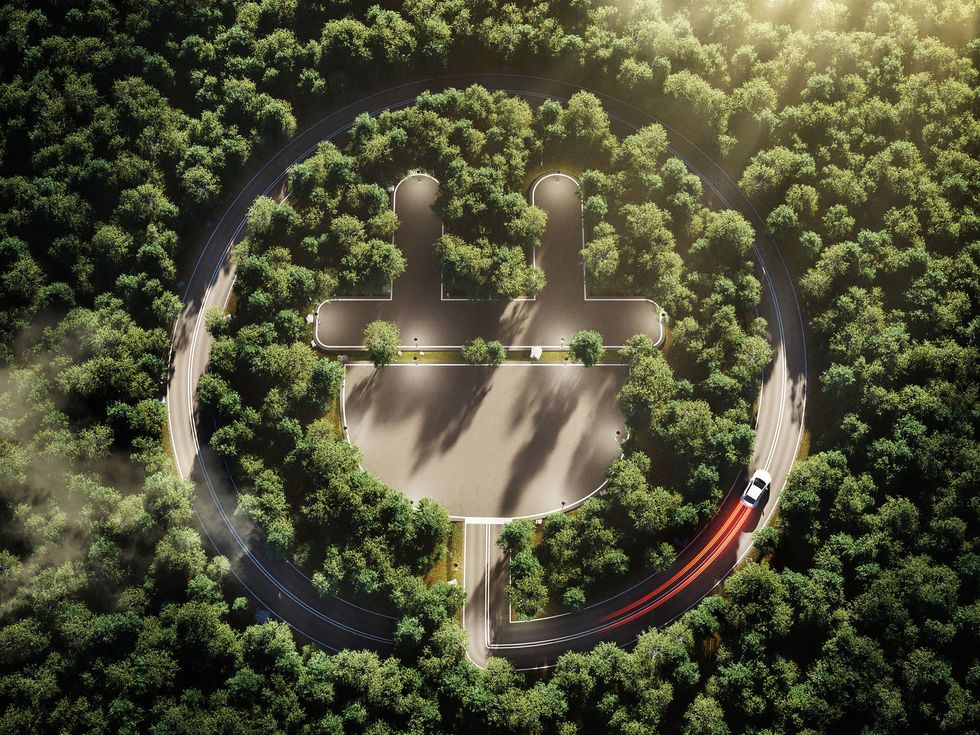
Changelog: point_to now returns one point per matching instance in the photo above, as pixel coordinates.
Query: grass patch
(611, 357)
(371, 288)
(475, 291)
(554, 607)
(334, 416)
(434, 356)
(450, 567)
(168, 446)
(547, 356)
(804, 450)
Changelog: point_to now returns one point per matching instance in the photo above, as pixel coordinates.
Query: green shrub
(482, 352)
(381, 340)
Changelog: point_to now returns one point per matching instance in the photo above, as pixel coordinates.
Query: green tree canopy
(381, 340)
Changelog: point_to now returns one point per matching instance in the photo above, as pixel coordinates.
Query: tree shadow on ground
(543, 416)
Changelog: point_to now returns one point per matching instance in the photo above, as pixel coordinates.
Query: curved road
(334, 623)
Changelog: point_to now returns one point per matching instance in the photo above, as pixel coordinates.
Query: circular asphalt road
(334, 623)
(422, 309)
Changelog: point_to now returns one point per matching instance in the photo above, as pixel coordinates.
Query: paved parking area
(490, 443)
(487, 442)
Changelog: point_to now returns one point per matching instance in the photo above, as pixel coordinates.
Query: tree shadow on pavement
(543, 420)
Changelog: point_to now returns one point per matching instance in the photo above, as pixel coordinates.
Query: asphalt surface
(517, 440)
(334, 623)
(421, 308)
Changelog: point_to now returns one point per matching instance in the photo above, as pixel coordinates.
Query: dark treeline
(851, 126)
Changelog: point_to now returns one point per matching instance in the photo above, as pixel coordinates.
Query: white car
(756, 488)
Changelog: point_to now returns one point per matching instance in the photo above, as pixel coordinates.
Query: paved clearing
(333, 623)
(497, 442)
(512, 441)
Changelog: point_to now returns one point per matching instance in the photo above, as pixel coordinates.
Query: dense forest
(332, 235)
(690, 407)
(852, 127)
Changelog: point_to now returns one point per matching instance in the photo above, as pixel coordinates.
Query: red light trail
(728, 531)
